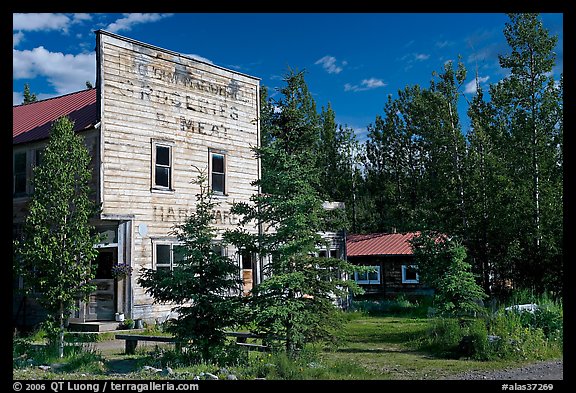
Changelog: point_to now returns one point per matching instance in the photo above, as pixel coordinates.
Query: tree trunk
(61, 332)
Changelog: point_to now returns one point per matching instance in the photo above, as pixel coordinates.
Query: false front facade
(153, 120)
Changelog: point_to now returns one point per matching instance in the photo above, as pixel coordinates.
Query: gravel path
(549, 370)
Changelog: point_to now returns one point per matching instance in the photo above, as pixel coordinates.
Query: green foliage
(510, 335)
(204, 286)
(498, 185)
(54, 255)
(442, 266)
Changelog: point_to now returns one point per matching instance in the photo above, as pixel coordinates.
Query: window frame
(20, 173)
(409, 281)
(211, 173)
(171, 244)
(368, 281)
(156, 143)
(32, 157)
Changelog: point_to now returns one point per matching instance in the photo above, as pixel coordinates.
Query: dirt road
(543, 371)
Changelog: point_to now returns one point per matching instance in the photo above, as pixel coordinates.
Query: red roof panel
(379, 244)
(33, 121)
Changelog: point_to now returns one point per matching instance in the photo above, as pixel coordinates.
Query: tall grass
(27, 351)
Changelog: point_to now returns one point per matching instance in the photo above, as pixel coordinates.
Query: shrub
(503, 335)
(444, 337)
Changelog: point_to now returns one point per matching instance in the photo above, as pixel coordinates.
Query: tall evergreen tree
(55, 254)
(28, 96)
(295, 300)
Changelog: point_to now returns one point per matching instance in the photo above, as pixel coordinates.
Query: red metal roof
(33, 121)
(379, 244)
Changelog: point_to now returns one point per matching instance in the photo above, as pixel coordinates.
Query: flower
(121, 270)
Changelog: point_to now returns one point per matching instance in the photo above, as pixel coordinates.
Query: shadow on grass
(374, 350)
(121, 366)
(387, 337)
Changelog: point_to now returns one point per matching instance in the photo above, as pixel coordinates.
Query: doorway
(101, 304)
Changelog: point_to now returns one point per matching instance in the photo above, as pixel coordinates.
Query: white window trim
(170, 243)
(404, 280)
(377, 281)
(163, 143)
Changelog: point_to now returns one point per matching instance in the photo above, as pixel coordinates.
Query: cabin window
(410, 274)
(370, 277)
(218, 173)
(168, 255)
(162, 165)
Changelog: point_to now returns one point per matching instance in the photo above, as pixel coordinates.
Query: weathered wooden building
(153, 117)
(390, 256)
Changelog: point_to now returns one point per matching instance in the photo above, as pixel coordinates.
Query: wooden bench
(132, 341)
(255, 347)
(241, 338)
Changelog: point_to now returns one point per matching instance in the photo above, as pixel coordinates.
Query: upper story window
(218, 172)
(23, 166)
(20, 178)
(162, 165)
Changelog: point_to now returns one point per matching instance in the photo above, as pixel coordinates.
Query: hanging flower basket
(121, 270)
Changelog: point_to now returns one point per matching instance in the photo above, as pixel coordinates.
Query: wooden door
(101, 304)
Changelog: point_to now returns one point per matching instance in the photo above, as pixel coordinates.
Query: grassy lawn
(370, 347)
(385, 348)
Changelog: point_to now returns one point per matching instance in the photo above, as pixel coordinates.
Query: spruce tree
(204, 286)
(296, 299)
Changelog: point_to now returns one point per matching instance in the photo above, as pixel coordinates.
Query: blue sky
(352, 60)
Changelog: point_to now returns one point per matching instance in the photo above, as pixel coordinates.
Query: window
(369, 277)
(410, 274)
(218, 249)
(24, 163)
(162, 165)
(19, 174)
(218, 173)
(168, 255)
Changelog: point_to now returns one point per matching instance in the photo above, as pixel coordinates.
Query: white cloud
(366, 84)
(471, 86)
(39, 22)
(329, 63)
(17, 38)
(81, 17)
(421, 56)
(442, 44)
(17, 97)
(66, 72)
(130, 20)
